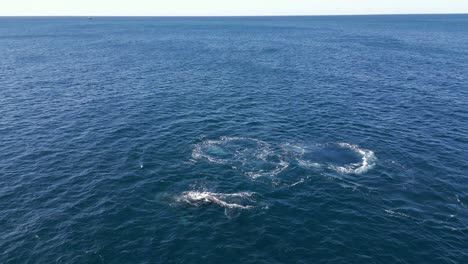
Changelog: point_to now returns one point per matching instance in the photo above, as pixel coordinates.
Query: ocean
(335, 139)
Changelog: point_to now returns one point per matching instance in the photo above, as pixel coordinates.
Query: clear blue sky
(228, 7)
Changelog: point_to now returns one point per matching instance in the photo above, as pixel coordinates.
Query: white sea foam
(277, 169)
(253, 157)
(293, 149)
(219, 147)
(368, 160)
(309, 157)
(306, 163)
(197, 198)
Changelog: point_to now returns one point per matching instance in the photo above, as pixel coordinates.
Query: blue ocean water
(234, 140)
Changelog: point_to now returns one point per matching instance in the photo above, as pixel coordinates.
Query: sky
(226, 7)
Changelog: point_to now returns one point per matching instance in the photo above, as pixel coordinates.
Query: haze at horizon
(226, 8)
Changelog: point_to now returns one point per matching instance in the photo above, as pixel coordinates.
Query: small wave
(197, 198)
(450, 228)
(296, 183)
(394, 213)
(459, 201)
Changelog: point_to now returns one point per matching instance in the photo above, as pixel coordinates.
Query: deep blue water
(234, 140)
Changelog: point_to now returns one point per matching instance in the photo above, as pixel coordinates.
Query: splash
(197, 198)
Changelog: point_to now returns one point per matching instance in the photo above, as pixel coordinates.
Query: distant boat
(90, 18)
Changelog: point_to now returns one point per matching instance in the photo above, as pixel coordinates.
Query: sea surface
(234, 140)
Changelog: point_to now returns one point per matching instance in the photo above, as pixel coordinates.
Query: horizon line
(280, 15)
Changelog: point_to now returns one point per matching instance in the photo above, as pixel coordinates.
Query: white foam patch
(253, 157)
(309, 157)
(305, 163)
(368, 160)
(293, 149)
(199, 198)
